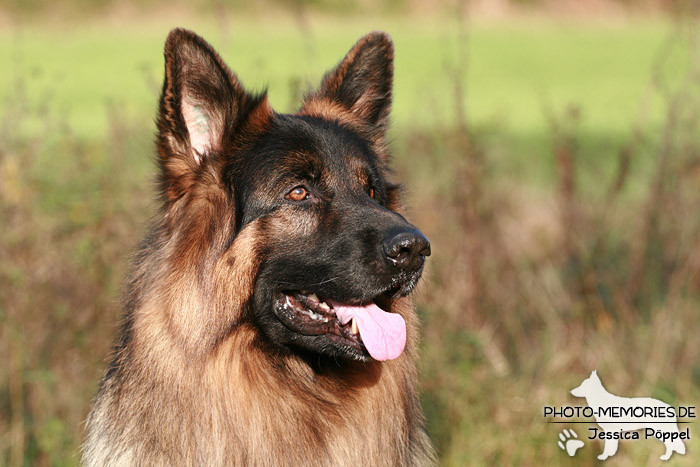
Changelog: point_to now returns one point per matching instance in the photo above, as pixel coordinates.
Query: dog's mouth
(361, 330)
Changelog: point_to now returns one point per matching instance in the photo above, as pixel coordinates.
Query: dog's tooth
(324, 306)
(353, 327)
(314, 297)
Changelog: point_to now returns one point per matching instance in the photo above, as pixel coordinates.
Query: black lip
(303, 316)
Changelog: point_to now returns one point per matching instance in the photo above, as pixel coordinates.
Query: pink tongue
(384, 334)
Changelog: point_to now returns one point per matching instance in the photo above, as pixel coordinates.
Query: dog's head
(329, 249)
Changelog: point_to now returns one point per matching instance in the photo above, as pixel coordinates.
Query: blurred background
(549, 149)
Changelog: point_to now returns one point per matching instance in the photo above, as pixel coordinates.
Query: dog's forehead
(300, 145)
(337, 146)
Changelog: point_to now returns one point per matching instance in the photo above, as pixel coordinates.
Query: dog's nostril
(426, 251)
(407, 249)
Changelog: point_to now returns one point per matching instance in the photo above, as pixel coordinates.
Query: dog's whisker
(311, 284)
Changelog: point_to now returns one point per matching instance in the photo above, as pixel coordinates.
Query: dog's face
(336, 253)
(336, 243)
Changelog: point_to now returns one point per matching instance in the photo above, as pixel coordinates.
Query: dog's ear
(361, 84)
(202, 108)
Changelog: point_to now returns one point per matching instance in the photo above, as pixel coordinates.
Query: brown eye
(298, 194)
(371, 193)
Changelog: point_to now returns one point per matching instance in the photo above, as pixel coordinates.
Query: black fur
(341, 256)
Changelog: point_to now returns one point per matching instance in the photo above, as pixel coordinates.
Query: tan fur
(232, 402)
(329, 110)
(192, 383)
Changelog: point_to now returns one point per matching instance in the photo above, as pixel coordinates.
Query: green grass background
(77, 105)
(514, 69)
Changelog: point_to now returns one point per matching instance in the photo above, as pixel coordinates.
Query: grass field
(562, 213)
(515, 74)
(514, 69)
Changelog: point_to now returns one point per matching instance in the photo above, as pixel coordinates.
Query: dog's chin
(404, 284)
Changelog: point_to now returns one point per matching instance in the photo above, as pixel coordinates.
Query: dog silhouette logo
(621, 418)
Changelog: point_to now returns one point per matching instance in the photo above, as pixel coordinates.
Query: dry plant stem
(470, 183)
(17, 434)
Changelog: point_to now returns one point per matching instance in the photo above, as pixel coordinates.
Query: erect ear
(361, 83)
(203, 106)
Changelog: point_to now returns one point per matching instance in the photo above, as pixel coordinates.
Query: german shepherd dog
(267, 318)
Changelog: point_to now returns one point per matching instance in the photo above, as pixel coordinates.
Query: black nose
(406, 249)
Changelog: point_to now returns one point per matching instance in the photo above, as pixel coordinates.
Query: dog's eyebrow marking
(362, 176)
(361, 166)
(300, 166)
